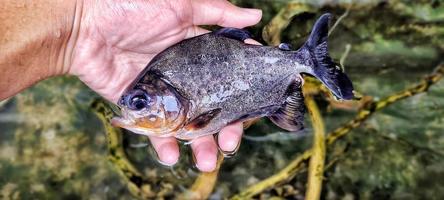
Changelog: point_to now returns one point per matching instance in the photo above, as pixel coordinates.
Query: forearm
(36, 39)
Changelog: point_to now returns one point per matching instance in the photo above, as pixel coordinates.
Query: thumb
(223, 13)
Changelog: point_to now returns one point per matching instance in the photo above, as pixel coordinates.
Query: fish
(202, 84)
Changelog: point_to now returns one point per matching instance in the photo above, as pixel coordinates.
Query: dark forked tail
(323, 67)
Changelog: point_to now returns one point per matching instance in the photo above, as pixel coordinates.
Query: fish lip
(130, 125)
(142, 131)
(120, 122)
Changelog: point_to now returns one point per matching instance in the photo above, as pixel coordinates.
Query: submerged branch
(344, 56)
(316, 165)
(272, 31)
(116, 153)
(297, 164)
(373, 106)
(340, 19)
(282, 176)
(412, 145)
(204, 183)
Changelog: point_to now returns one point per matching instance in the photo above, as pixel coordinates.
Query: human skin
(106, 44)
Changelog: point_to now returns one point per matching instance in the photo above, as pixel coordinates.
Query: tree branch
(316, 165)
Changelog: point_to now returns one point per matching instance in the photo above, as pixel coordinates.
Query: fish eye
(137, 100)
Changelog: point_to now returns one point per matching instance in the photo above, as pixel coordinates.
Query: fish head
(153, 109)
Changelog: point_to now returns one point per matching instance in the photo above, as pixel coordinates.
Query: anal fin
(291, 115)
(202, 120)
(256, 114)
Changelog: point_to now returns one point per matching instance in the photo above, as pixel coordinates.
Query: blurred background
(53, 143)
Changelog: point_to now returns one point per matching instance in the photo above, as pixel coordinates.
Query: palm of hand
(116, 41)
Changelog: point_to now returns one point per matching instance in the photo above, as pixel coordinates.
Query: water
(53, 146)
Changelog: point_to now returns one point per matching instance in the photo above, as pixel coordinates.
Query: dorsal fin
(202, 120)
(284, 46)
(291, 115)
(234, 33)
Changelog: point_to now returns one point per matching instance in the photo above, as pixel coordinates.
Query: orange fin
(250, 122)
(202, 120)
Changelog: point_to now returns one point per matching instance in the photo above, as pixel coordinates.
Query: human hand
(116, 40)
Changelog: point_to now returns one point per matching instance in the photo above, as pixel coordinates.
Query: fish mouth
(133, 127)
(120, 122)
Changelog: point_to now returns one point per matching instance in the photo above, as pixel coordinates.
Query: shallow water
(53, 146)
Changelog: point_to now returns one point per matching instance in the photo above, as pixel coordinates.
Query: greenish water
(52, 146)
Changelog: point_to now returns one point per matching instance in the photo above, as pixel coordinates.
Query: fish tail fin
(328, 72)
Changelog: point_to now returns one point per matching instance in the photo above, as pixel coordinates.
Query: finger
(205, 151)
(167, 149)
(223, 13)
(230, 136)
(195, 31)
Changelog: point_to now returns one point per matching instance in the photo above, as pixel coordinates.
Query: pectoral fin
(250, 122)
(202, 120)
(291, 115)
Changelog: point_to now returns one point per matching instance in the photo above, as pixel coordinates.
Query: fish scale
(245, 63)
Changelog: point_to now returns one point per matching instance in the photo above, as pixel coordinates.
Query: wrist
(65, 39)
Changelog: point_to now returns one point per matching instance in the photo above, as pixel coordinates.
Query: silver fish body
(204, 83)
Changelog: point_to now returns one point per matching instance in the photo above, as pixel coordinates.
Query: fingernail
(206, 163)
(167, 156)
(253, 11)
(229, 153)
(229, 138)
(229, 145)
